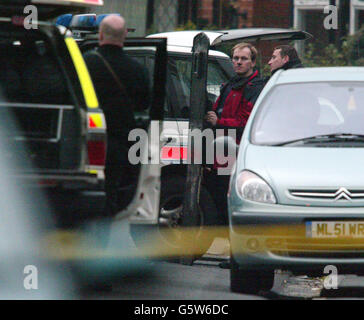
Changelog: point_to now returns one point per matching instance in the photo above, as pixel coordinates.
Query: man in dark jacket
(119, 94)
(284, 57)
(231, 111)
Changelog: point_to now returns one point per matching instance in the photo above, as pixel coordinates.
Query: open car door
(144, 202)
(191, 206)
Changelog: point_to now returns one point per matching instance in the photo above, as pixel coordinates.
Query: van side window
(43, 79)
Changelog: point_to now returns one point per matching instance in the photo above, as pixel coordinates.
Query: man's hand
(211, 117)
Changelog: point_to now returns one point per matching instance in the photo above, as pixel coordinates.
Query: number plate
(335, 229)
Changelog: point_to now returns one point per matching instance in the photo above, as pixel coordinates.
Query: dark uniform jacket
(117, 108)
(292, 64)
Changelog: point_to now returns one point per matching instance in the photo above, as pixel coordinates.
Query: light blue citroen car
(296, 196)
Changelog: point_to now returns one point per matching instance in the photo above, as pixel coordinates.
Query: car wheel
(249, 281)
(169, 231)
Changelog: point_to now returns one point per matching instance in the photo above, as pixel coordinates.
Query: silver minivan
(296, 199)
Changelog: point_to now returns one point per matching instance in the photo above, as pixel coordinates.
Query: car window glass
(147, 60)
(177, 95)
(179, 82)
(182, 75)
(144, 114)
(215, 78)
(329, 113)
(32, 85)
(31, 73)
(296, 111)
(180, 70)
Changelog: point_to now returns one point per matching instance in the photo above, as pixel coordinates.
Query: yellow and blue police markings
(83, 74)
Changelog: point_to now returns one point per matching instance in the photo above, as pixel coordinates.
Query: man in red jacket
(237, 97)
(231, 111)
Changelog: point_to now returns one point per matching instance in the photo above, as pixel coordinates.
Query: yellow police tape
(290, 239)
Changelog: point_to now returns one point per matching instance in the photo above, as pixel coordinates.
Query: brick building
(166, 15)
(237, 13)
(264, 13)
(267, 14)
(356, 15)
(306, 15)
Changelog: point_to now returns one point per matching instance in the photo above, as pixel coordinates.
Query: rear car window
(35, 94)
(30, 72)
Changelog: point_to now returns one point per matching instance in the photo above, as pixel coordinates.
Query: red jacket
(239, 102)
(233, 108)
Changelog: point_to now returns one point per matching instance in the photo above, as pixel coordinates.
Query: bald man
(112, 31)
(119, 95)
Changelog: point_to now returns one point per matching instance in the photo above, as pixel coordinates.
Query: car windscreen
(303, 112)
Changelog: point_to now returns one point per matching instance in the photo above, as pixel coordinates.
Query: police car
(46, 87)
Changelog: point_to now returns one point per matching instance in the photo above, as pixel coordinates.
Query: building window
(187, 11)
(165, 15)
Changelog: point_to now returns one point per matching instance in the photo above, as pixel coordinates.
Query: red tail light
(174, 153)
(96, 153)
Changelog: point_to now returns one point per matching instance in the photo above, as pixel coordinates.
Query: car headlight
(251, 187)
